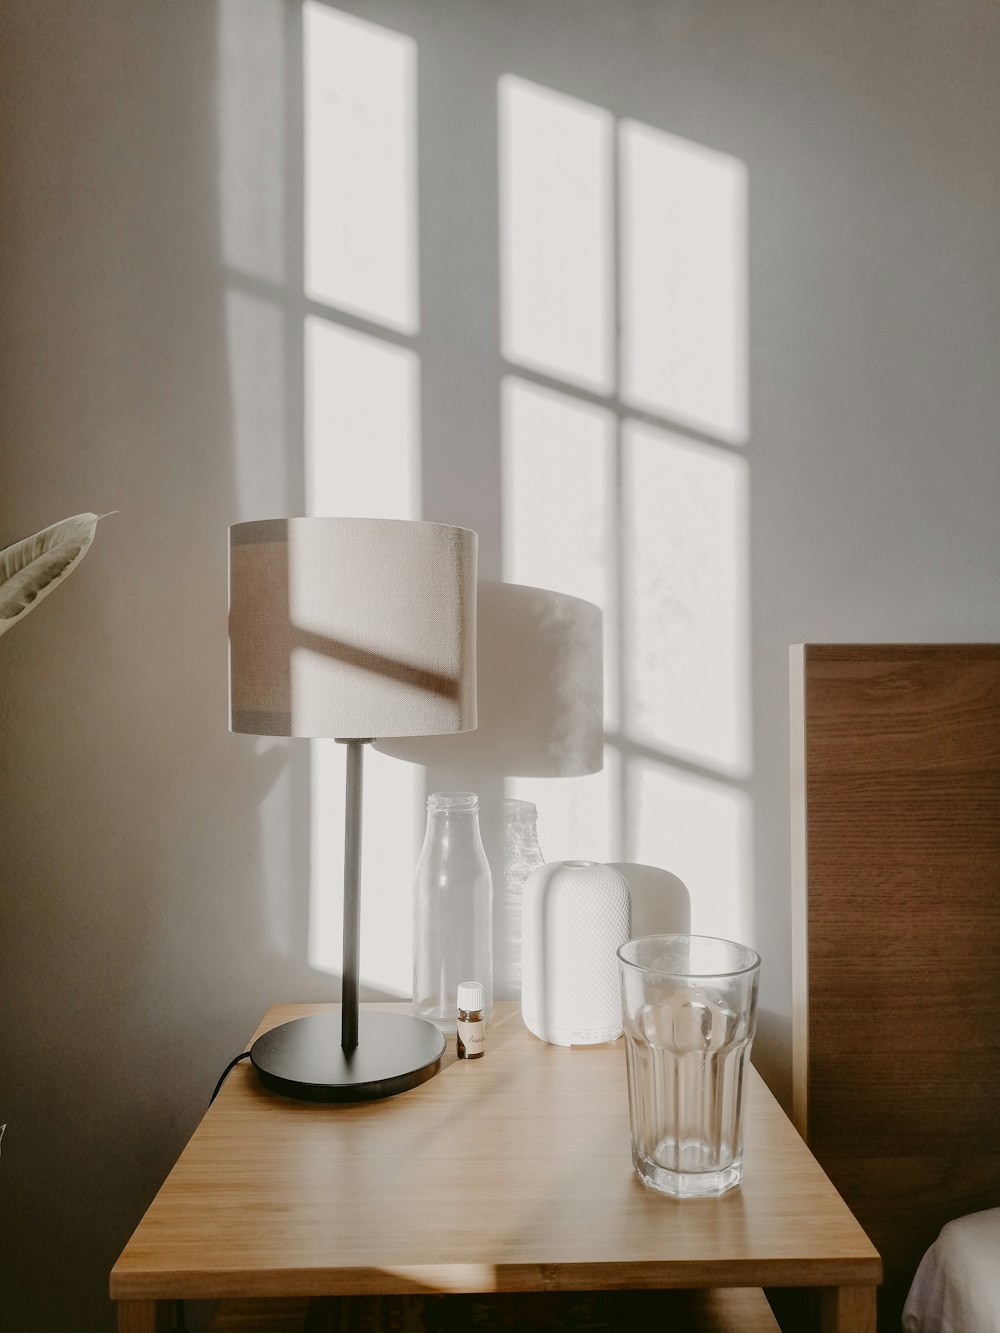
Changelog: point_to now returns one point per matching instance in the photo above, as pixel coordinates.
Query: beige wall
(152, 865)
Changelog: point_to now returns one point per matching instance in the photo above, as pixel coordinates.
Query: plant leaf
(30, 569)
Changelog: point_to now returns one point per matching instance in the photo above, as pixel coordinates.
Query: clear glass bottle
(521, 854)
(452, 910)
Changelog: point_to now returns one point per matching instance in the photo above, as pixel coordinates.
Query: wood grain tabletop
(509, 1173)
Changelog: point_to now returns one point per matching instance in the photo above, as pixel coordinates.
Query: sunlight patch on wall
(362, 425)
(686, 599)
(684, 297)
(701, 831)
(634, 514)
(556, 233)
(558, 513)
(558, 500)
(362, 459)
(360, 167)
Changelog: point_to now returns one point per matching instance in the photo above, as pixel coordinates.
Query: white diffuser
(574, 917)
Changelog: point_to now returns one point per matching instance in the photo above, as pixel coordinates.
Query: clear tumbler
(452, 910)
(689, 1007)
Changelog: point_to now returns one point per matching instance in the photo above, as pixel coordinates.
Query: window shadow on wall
(526, 313)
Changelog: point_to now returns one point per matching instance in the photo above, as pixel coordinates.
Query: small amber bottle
(471, 1039)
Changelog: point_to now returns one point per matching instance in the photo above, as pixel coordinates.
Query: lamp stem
(352, 895)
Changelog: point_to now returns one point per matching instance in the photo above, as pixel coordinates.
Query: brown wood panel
(848, 1310)
(266, 1316)
(896, 765)
(144, 1316)
(729, 1310)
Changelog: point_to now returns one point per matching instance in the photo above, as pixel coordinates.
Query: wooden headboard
(896, 924)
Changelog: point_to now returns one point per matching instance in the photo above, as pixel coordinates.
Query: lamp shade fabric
(351, 628)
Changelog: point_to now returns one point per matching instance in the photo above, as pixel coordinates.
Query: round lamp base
(304, 1058)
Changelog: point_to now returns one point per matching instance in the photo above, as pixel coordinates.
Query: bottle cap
(471, 995)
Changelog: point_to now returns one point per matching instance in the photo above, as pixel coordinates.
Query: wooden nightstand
(506, 1174)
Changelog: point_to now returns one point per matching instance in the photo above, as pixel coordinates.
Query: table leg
(847, 1309)
(144, 1316)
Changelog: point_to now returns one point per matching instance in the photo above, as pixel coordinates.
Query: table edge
(446, 1279)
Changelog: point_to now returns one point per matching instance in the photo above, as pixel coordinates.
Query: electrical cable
(225, 1074)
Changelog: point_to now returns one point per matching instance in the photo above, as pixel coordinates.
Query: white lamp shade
(351, 628)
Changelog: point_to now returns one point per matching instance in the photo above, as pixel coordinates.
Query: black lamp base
(304, 1058)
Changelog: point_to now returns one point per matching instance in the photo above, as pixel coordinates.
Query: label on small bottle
(471, 1038)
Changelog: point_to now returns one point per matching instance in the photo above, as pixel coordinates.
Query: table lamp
(353, 629)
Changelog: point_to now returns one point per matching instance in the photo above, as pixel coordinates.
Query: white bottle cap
(471, 995)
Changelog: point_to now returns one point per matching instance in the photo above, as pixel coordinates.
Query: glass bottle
(521, 853)
(452, 910)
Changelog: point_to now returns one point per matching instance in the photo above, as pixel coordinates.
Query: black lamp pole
(352, 894)
(378, 1054)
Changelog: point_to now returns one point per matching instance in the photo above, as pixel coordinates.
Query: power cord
(226, 1072)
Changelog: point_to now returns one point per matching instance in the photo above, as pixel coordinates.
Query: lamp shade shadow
(540, 666)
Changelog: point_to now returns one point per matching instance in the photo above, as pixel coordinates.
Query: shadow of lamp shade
(353, 629)
(541, 700)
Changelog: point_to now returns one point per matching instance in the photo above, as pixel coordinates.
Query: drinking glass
(689, 1007)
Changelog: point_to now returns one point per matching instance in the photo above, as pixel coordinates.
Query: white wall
(155, 870)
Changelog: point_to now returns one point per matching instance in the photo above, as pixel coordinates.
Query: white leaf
(31, 568)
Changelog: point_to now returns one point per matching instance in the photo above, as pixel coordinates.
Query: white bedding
(957, 1286)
